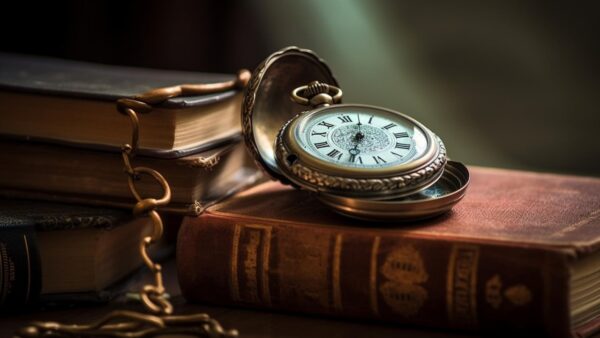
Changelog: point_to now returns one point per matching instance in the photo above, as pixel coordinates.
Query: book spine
(20, 272)
(366, 274)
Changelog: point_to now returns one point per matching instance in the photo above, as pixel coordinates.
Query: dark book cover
(50, 76)
(80, 95)
(20, 270)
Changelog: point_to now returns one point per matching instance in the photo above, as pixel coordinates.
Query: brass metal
(267, 105)
(317, 94)
(159, 320)
(160, 95)
(130, 324)
(379, 183)
(433, 201)
(271, 125)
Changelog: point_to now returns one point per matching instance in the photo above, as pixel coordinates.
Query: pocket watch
(364, 161)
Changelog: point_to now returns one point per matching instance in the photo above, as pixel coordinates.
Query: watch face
(361, 137)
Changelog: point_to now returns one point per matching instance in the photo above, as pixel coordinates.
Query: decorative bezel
(453, 186)
(314, 174)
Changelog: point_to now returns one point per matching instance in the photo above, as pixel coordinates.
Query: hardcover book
(520, 253)
(71, 174)
(71, 102)
(62, 251)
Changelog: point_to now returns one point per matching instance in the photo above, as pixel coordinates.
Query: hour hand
(359, 136)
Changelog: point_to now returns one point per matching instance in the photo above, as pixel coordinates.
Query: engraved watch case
(377, 183)
(290, 87)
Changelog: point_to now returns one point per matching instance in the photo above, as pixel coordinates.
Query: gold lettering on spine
(234, 287)
(461, 287)
(250, 266)
(253, 244)
(373, 276)
(266, 252)
(337, 252)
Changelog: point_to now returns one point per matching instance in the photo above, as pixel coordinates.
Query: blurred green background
(505, 84)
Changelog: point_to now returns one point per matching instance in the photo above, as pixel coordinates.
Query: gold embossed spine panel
(382, 275)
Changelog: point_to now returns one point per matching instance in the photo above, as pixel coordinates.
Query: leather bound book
(519, 254)
(74, 175)
(74, 103)
(62, 252)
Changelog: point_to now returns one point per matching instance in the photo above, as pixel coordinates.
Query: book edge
(573, 250)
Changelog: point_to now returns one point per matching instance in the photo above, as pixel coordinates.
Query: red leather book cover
(513, 255)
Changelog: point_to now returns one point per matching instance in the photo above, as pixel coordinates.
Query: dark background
(508, 84)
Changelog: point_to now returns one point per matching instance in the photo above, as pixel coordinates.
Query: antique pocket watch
(363, 161)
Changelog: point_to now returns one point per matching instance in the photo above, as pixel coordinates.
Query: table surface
(250, 323)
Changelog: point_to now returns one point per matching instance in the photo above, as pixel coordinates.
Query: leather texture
(500, 261)
(34, 74)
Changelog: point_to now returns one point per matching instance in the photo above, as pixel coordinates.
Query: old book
(74, 102)
(72, 174)
(53, 249)
(519, 253)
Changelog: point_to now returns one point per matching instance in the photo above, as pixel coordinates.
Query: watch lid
(267, 105)
(433, 201)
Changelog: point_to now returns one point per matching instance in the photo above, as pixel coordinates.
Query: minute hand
(359, 136)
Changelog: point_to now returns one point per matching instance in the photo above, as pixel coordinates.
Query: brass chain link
(153, 296)
(160, 321)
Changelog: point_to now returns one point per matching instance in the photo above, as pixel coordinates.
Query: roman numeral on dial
(402, 145)
(401, 135)
(345, 118)
(335, 153)
(320, 145)
(314, 133)
(378, 159)
(325, 124)
(389, 126)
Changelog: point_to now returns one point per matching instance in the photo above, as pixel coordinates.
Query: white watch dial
(361, 137)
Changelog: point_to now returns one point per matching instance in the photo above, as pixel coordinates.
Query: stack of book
(520, 254)
(61, 173)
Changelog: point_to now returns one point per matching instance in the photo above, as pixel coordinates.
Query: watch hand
(359, 136)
